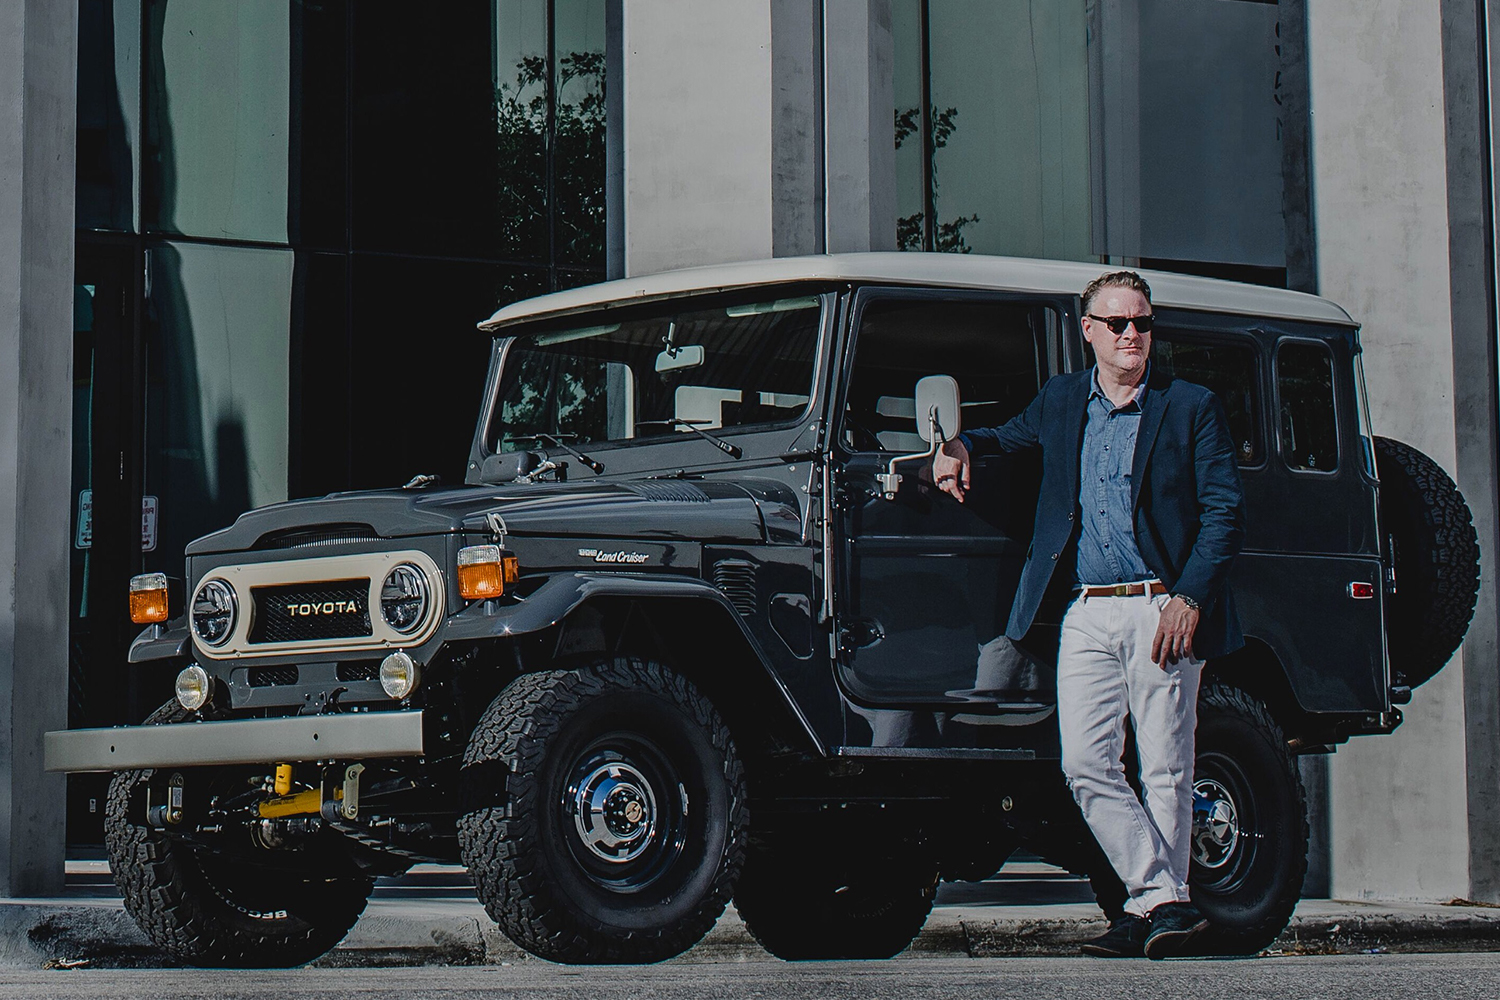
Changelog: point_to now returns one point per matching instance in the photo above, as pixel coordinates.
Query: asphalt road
(1363, 977)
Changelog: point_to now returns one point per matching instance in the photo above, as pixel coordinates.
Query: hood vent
(735, 578)
(669, 492)
(311, 538)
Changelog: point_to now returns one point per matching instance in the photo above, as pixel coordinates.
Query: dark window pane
(1227, 369)
(216, 388)
(520, 195)
(217, 118)
(906, 34)
(109, 41)
(425, 165)
(724, 367)
(573, 279)
(319, 419)
(994, 349)
(1304, 381)
(417, 365)
(317, 209)
(579, 162)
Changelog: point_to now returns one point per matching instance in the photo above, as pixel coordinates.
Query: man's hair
(1114, 279)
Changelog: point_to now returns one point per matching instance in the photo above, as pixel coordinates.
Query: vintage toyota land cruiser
(697, 627)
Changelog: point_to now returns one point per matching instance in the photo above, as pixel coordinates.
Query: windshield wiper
(557, 443)
(732, 450)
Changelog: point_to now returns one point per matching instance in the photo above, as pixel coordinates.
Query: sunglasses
(1117, 324)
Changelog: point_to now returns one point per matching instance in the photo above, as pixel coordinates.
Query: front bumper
(237, 741)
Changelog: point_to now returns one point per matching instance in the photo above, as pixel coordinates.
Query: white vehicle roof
(1011, 274)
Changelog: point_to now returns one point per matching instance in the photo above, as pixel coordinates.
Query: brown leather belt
(1122, 589)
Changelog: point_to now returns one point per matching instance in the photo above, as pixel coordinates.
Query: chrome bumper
(238, 741)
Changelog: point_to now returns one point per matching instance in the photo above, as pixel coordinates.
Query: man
(1140, 515)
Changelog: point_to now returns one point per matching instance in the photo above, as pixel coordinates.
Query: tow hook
(169, 813)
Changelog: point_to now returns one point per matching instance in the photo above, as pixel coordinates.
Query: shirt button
(1106, 545)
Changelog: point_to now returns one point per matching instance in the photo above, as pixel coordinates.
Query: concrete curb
(101, 935)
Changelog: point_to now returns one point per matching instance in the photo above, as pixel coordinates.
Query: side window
(1304, 383)
(996, 351)
(1227, 368)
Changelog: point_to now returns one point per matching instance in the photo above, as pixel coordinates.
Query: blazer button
(1054, 555)
(1070, 515)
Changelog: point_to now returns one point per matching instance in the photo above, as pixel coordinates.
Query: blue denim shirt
(1107, 552)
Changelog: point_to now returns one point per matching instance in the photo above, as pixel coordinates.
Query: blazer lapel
(1153, 408)
(1078, 407)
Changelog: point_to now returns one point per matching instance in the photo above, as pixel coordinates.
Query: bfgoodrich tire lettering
(1436, 554)
(1246, 875)
(644, 876)
(203, 908)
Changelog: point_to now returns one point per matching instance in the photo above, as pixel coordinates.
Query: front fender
(564, 593)
(161, 642)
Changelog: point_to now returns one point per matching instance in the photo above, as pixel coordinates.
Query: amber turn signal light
(484, 571)
(148, 598)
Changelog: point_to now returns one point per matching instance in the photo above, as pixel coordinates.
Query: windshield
(700, 369)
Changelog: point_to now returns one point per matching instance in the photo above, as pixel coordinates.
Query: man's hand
(1174, 633)
(950, 469)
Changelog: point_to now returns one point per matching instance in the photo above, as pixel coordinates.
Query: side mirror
(938, 409)
(937, 421)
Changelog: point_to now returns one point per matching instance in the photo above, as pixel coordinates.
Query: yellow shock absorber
(283, 779)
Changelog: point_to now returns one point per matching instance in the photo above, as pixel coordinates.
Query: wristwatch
(1185, 599)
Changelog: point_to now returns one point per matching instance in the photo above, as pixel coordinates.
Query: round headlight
(403, 598)
(214, 612)
(399, 675)
(193, 687)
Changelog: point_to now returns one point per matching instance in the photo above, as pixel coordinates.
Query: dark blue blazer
(1188, 506)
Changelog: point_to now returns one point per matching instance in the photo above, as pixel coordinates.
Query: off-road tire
(1436, 555)
(800, 908)
(1249, 895)
(201, 908)
(521, 838)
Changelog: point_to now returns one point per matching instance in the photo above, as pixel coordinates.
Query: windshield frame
(761, 443)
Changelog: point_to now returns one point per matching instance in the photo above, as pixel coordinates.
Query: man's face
(1124, 353)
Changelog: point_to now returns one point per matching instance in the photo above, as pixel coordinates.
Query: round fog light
(399, 675)
(192, 688)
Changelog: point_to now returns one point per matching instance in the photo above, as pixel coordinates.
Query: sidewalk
(431, 918)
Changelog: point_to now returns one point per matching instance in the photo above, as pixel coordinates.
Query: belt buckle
(1122, 590)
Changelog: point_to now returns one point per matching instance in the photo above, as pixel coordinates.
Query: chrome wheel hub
(1216, 824)
(614, 811)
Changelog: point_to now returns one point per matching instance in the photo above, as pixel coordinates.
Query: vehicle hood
(747, 511)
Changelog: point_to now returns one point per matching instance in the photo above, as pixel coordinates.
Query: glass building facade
(1136, 131)
(291, 214)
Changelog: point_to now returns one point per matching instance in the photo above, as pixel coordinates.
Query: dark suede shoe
(1173, 927)
(1126, 938)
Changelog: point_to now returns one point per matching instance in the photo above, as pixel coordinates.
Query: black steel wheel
(1249, 841)
(604, 813)
(208, 909)
(802, 903)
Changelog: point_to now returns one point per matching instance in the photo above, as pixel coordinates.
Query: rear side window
(1304, 385)
(1228, 369)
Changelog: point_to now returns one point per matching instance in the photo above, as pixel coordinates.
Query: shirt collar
(1096, 391)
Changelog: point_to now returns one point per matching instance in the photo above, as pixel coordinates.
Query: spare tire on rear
(1436, 556)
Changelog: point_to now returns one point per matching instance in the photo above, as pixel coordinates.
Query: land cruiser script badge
(322, 608)
(613, 557)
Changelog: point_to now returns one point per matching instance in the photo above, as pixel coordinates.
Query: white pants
(1104, 673)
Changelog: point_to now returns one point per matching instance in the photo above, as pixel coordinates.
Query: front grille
(736, 579)
(303, 612)
(360, 670)
(264, 677)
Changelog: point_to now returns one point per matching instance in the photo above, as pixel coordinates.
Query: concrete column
(860, 94)
(1476, 401)
(38, 83)
(1380, 201)
(695, 137)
